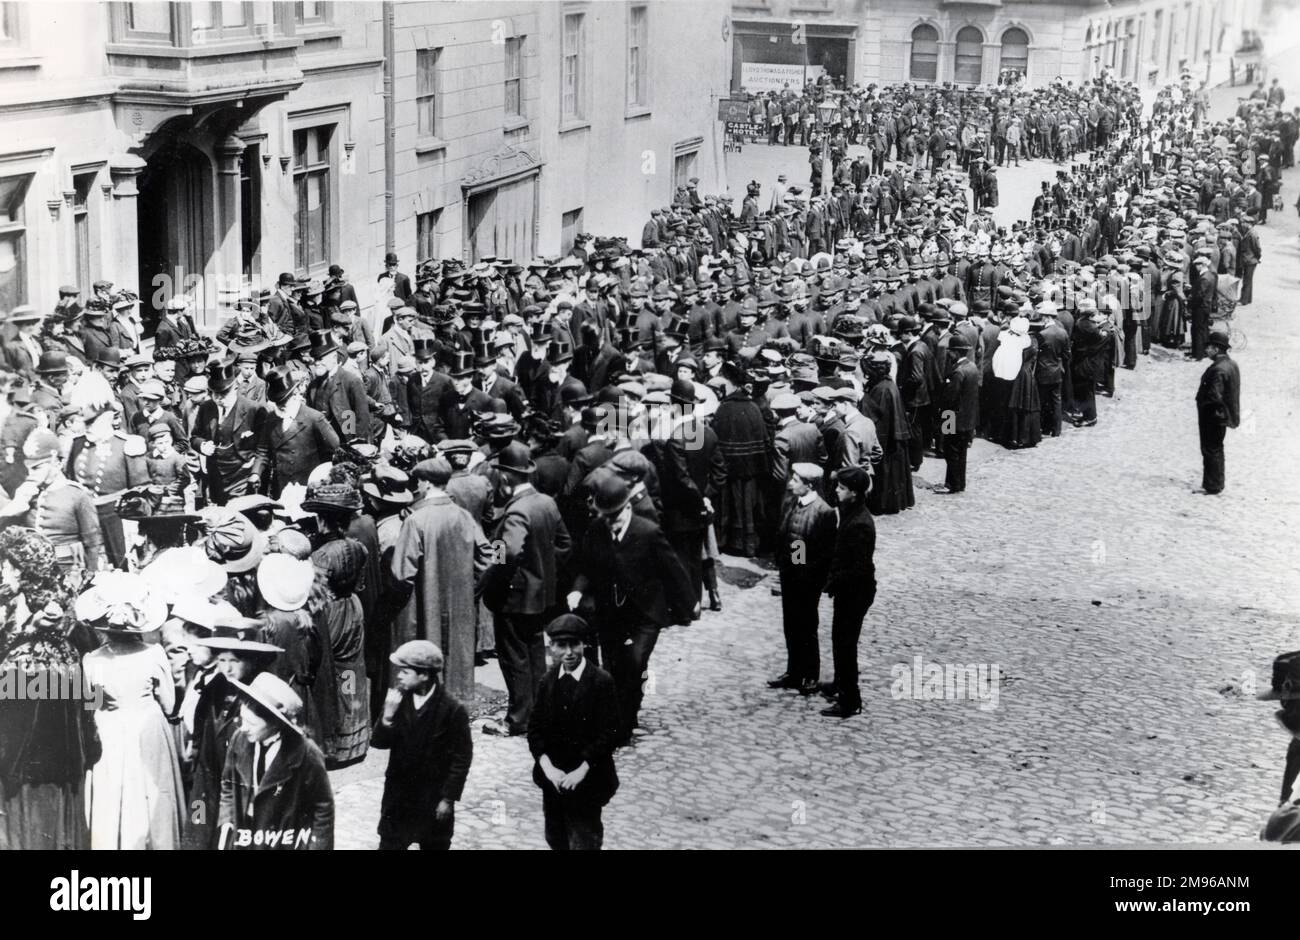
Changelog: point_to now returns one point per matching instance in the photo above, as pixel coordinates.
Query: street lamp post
(824, 110)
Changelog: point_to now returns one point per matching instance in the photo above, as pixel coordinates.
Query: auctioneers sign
(762, 77)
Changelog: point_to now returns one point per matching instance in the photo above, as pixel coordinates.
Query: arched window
(1015, 50)
(925, 54)
(969, 66)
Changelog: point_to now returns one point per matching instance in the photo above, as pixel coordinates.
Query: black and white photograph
(650, 425)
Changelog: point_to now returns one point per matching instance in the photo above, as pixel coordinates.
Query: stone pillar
(122, 260)
(227, 260)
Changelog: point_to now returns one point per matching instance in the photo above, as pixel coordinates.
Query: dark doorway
(174, 228)
(250, 212)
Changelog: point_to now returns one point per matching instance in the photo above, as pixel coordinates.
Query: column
(227, 237)
(122, 259)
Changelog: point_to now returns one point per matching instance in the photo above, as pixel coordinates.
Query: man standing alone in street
(852, 585)
(1218, 407)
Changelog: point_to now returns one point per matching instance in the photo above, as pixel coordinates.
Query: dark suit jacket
(961, 395)
(294, 453)
(455, 419)
(170, 333)
(1219, 395)
(429, 756)
(574, 725)
(17, 359)
(853, 567)
(508, 391)
(401, 284)
(295, 794)
(914, 376)
(636, 580)
(425, 401)
(236, 439)
(339, 395)
(535, 543)
(691, 468)
(1053, 353)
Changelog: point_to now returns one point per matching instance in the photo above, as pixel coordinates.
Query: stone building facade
(206, 147)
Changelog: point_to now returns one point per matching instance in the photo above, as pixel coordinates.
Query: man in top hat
(1218, 407)
(56, 507)
(465, 401)
(571, 734)
(556, 386)
(225, 435)
(392, 281)
(425, 729)
(295, 438)
(492, 379)
(521, 586)
(336, 392)
(634, 585)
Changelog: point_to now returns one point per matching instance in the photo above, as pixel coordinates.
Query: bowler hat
(514, 457)
(1219, 338)
(609, 492)
(52, 361)
(323, 343)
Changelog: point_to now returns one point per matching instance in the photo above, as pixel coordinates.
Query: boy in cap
(571, 734)
(852, 584)
(426, 731)
(805, 543)
(1218, 407)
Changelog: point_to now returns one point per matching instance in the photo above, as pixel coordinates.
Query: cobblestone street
(1132, 622)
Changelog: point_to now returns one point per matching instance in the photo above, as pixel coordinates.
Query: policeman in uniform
(107, 462)
(55, 506)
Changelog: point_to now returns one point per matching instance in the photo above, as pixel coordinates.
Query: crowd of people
(269, 550)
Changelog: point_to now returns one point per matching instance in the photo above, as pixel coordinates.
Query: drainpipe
(390, 128)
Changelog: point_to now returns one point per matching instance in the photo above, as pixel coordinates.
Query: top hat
(559, 353)
(460, 364)
(279, 385)
(222, 375)
(323, 342)
(425, 349)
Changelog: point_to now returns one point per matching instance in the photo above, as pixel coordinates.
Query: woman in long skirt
(46, 744)
(134, 794)
(342, 625)
(883, 404)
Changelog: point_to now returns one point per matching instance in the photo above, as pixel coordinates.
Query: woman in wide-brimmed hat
(274, 784)
(286, 583)
(234, 544)
(46, 744)
(135, 789)
(241, 655)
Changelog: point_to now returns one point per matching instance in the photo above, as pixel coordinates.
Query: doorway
(174, 229)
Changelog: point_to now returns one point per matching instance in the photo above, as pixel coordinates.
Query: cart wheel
(1238, 339)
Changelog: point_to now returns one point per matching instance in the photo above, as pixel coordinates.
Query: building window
(572, 85)
(968, 66)
(83, 230)
(148, 20)
(638, 78)
(515, 77)
(925, 54)
(684, 165)
(426, 235)
(427, 76)
(13, 241)
(311, 13)
(1015, 50)
(311, 182)
(223, 19)
(570, 226)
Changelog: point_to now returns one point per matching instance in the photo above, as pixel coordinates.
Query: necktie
(261, 765)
